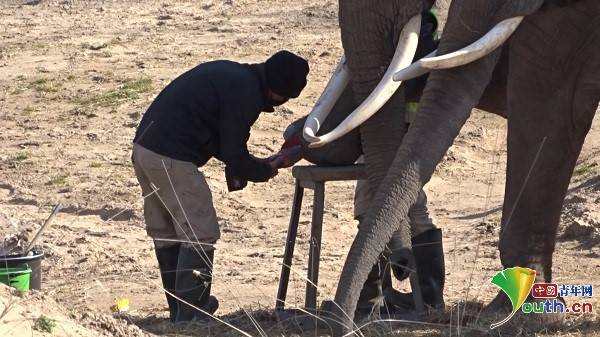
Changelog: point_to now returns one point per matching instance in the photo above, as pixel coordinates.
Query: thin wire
(491, 180)
(537, 156)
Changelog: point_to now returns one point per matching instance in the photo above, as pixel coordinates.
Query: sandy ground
(75, 77)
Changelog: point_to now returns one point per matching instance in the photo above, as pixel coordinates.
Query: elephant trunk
(442, 114)
(444, 108)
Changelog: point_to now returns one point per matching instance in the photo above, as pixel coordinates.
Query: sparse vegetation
(20, 156)
(44, 324)
(117, 41)
(586, 168)
(17, 91)
(19, 293)
(95, 164)
(43, 85)
(28, 110)
(57, 180)
(130, 89)
(94, 46)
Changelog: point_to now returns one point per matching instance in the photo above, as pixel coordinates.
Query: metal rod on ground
(44, 226)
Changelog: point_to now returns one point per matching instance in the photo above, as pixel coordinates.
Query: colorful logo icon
(516, 283)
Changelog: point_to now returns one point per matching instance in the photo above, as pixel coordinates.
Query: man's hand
(288, 156)
(274, 162)
(291, 142)
(234, 183)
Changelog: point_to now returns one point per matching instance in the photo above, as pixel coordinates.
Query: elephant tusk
(405, 52)
(414, 70)
(333, 91)
(478, 49)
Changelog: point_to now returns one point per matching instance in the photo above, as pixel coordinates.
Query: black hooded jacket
(207, 112)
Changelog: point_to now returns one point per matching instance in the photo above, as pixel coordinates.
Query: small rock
(96, 233)
(576, 199)
(97, 45)
(578, 228)
(82, 239)
(233, 273)
(256, 254)
(285, 110)
(42, 69)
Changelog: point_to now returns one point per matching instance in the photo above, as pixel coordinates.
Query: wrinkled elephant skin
(552, 93)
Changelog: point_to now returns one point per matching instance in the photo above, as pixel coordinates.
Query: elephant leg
(553, 94)
(369, 32)
(369, 35)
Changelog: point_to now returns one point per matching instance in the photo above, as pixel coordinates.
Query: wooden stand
(314, 177)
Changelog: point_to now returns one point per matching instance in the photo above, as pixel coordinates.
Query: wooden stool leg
(290, 243)
(314, 255)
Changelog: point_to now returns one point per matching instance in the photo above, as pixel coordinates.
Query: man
(206, 112)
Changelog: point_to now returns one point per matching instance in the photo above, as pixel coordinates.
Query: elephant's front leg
(552, 102)
(370, 31)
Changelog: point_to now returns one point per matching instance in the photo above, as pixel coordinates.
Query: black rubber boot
(194, 279)
(167, 263)
(429, 260)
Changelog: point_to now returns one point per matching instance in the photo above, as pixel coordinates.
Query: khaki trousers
(178, 205)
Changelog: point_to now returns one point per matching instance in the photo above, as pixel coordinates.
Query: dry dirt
(75, 77)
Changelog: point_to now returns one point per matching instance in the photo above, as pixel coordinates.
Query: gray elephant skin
(545, 79)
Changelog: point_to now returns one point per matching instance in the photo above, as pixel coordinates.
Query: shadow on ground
(437, 323)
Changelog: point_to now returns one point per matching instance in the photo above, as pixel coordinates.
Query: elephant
(539, 66)
(384, 132)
